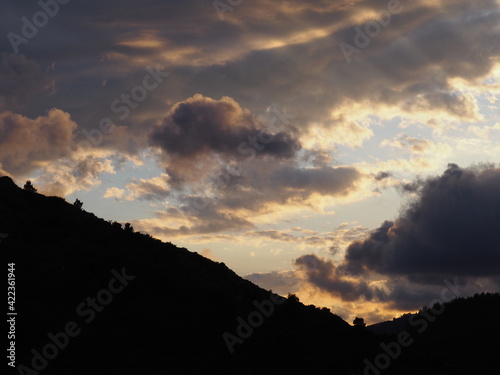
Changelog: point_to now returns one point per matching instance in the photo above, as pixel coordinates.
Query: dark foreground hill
(93, 298)
(171, 316)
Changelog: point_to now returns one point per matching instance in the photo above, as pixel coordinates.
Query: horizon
(345, 152)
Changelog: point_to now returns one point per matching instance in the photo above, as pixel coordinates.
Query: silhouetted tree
(293, 298)
(116, 225)
(78, 204)
(359, 322)
(28, 186)
(129, 228)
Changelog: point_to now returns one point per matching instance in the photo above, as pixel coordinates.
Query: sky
(343, 150)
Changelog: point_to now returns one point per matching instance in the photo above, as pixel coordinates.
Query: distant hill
(127, 303)
(461, 339)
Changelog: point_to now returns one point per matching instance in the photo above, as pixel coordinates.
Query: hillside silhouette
(393, 326)
(461, 340)
(174, 306)
(169, 319)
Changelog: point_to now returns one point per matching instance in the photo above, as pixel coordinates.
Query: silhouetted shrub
(359, 322)
(28, 186)
(129, 228)
(78, 204)
(116, 225)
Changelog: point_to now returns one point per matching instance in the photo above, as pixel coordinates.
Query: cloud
(294, 60)
(323, 180)
(20, 78)
(484, 132)
(80, 171)
(382, 175)
(154, 188)
(281, 282)
(198, 131)
(264, 186)
(26, 144)
(274, 235)
(115, 193)
(403, 141)
(448, 231)
(207, 253)
(188, 221)
(324, 275)
(404, 68)
(236, 202)
(334, 240)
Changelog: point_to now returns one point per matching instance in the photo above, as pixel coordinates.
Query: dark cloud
(324, 275)
(324, 180)
(264, 185)
(401, 66)
(397, 292)
(382, 175)
(450, 231)
(410, 64)
(415, 185)
(20, 78)
(204, 128)
(199, 125)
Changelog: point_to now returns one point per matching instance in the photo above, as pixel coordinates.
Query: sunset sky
(343, 150)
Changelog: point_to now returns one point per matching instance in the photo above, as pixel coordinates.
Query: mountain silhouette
(170, 318)
(391, 326)
(93, 298)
